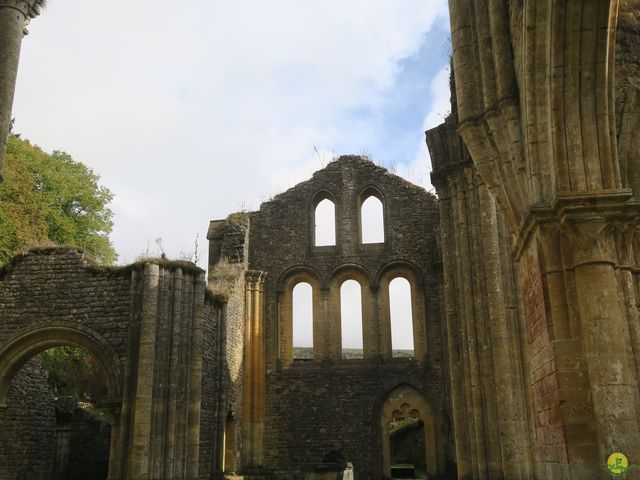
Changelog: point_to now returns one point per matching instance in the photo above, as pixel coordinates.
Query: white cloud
(418, 170)
(191, 111)
(441, 95)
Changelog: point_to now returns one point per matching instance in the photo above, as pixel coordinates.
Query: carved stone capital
(28, 8)
(588, 240)
(255, 279)
(549, 241)
(627, 239)
(587, 222)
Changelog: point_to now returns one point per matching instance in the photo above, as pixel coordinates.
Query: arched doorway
(57, 392)
(408, 434)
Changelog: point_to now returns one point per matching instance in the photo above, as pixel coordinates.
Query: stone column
(574, 260)
(491, 434)
(195, 382)
(514, 441)
(604, 332)
(115, 452)
(14, 16)
(253, 401)
(139, 466)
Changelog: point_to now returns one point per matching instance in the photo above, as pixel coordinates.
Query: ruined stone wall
(313, 407)
(627, 105)
(483, 318)
(228, 246)
(211, 390)
(144, 323)
(284, 226)
(27, 427)
(57, 287)
(548, 131)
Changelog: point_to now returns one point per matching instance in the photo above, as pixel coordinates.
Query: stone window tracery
(405, 404)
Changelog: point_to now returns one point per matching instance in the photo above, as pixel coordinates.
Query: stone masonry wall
(483, 319)
(312, 407)
(533, 79)
(57, 287)
(211, 390)
(27, 427)
(228, 247)
(143, 322)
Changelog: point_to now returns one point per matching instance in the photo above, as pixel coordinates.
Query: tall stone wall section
(314, 407)
(28, 426)
(211, 390)
(228, 247)
(57, 287)
(144, 323)
(548, 127)
(483, 318)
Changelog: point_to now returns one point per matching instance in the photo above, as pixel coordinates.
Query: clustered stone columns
(534, 103)
(157, 431)
(253, 399)
(481, 318)
(14, 16)
(586, 251)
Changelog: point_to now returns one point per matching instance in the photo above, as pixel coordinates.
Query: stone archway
(407, 400)
(27, 344)
(144, 325)
(24, 346)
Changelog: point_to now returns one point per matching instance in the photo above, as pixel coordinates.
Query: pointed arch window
(372, 220)
(325, 223)
(351, 319)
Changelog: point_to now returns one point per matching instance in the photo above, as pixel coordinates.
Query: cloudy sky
(192, 110)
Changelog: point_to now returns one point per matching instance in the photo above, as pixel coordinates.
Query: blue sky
(191, 111)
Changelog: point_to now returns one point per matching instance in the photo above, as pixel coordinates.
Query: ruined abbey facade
(523, 274)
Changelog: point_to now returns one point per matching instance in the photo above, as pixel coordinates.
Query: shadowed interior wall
(28, 426)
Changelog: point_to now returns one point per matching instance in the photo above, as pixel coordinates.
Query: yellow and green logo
(618, 465)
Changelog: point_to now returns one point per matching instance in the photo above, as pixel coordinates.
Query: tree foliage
(51, 198)
(75, 373)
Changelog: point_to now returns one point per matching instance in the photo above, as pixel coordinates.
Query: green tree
(52, 198)
(74, 373)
